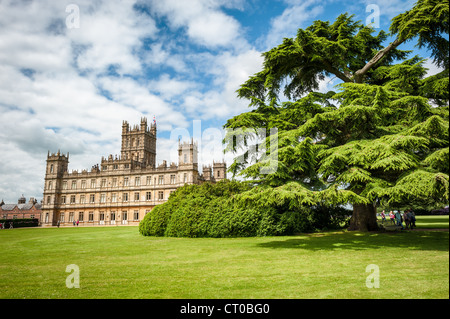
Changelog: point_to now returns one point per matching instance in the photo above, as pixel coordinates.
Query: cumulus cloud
(203, 20)
(69, 89)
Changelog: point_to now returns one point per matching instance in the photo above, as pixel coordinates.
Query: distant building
(22, 209)
(121, 190)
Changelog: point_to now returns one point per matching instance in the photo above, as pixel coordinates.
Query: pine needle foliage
(381, 138)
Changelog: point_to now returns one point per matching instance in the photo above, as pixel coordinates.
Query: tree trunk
(364, 218)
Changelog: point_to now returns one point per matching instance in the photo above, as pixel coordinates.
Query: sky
(72, 71)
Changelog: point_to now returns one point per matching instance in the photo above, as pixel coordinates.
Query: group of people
(74, 223)
(3, 225)
(397, 218)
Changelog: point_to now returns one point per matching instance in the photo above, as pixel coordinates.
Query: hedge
(214, 210)
(20, 222)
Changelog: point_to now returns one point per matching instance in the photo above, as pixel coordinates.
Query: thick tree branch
(329, 68)
(359, 75)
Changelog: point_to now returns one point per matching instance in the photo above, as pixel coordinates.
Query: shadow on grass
(430, 240)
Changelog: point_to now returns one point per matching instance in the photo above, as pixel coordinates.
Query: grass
(117, 262)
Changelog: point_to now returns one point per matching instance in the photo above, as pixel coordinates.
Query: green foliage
(427, 20)
(382, 137)
(223, 210)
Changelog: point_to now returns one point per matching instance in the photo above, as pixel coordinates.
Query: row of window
(103, 199)
(115, 182)
(112, 216)
(5, 216)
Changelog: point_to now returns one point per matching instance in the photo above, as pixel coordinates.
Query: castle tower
(220, 171)
(188, 162)
(207, 173)
(139, 143)
(187, 153)
(57, 165)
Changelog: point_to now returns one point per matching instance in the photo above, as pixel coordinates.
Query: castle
(121, 190)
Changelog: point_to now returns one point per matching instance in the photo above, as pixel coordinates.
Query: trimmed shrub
(214, 210)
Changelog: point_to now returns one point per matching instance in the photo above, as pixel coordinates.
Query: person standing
(383, 217)
(392, 217)
(407, 219)
(398, 218)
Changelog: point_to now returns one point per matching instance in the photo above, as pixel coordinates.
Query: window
(104, 167)
(161, 180)
(185, 158)
(125, 197)
(185, 177)
(50, 185)
(71, 216)
(136, 196)
(113, 216)
(74, 184)
(63, 199)
(91, 216)
(49, 200)
(51, 168)
(72, 199)
(161, 195)
(148, 196)
(124, 215)
(172, 179)
(115, 166)
(81, 216)
(218, 173)
(149, 180)
(92, 198)
(101, 217)
(102, 198)
(92, 183)
(61, 217)
(64, 185)
(114, 198)
(125, 181)
(83, 184)
(82, 199)
(137, 181)
(136, 215)
(103, 183)
(114, 182)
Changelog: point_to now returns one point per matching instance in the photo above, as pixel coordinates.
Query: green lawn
(117, 262)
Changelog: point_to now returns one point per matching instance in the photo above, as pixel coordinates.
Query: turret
(220, 170)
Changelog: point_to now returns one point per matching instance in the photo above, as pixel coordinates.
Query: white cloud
(170, 88)
(229, 71)
(130, 93)
(432, 68)
(203, 20)
(111, 33)
(157, 57)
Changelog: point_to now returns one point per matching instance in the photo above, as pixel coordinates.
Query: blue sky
(69, 87)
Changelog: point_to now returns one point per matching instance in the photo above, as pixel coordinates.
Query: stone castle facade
(121, 190)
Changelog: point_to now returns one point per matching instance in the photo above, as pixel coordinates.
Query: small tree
(382, 138)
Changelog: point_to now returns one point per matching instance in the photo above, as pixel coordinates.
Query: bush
(20, 222)
(214, 210)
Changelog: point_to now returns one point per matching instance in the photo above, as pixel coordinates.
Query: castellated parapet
(122, 188)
